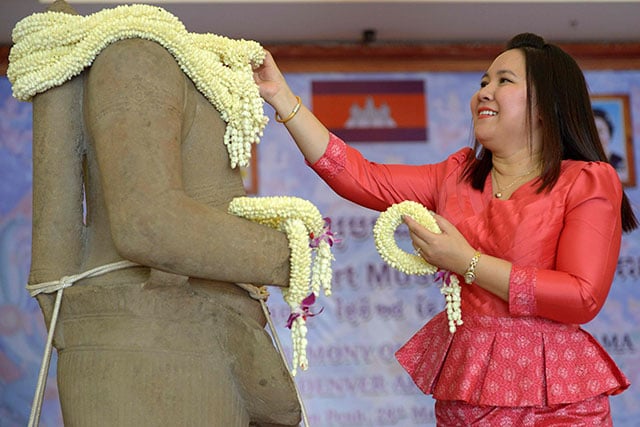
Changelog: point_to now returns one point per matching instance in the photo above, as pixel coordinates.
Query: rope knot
(67, 281)
(258, 293)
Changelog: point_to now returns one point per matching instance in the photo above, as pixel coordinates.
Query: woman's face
(499, 107)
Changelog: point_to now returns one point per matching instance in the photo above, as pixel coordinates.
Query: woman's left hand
(448, 250)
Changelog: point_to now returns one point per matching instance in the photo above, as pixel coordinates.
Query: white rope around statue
(58, 287)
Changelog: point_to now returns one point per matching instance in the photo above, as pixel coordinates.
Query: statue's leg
(134, 357)
(120, 387)
(167, 356)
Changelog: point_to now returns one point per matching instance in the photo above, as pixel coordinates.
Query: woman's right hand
(272, 84)
(307, 131)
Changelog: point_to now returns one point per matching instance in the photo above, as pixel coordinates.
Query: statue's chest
(207, 175)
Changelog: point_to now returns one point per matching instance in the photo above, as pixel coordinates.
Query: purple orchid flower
(443, 275)
(304, 310)
(326, 235)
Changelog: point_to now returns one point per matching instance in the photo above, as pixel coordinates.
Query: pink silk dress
(563, 245)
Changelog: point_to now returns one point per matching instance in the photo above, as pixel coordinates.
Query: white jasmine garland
(50, 48)
(384, 237)
(310, 260)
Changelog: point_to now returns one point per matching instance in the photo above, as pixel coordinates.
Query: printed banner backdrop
(353, 378)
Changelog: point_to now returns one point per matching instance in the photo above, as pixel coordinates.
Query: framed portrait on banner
(613, 120)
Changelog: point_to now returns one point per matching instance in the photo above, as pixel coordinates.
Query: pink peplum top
(563, 245)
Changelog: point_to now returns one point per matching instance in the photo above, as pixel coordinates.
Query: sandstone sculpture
(130, 165)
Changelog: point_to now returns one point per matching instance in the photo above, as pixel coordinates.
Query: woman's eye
(504, 80)
(483, 83)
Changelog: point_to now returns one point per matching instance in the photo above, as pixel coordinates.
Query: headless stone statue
(129, 164)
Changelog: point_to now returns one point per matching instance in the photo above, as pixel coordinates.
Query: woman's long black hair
(564, 106)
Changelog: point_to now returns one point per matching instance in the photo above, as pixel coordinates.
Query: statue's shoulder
(136, 54)
(136, 71)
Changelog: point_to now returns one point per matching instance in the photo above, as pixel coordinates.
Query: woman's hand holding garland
(383, 233)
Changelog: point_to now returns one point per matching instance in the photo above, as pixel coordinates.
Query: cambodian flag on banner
(372, 110)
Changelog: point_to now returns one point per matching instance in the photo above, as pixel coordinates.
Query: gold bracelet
(470, 274)
(293, 113)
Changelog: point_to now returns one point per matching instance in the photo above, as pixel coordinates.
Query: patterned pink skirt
(509, 362)
(590, 412)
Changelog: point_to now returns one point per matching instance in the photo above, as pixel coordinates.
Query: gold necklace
(498, 194)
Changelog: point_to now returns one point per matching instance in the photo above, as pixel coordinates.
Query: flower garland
(392, 254)
(53, 47)
(310, 241)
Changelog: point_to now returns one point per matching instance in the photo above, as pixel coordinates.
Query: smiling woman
(533, 215)
(502, 122)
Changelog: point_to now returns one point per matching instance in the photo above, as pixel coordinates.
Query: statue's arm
(134, 111)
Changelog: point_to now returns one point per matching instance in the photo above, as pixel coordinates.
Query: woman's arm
(310, 135)
(586, 260)
(587, 255)
(451, 251)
